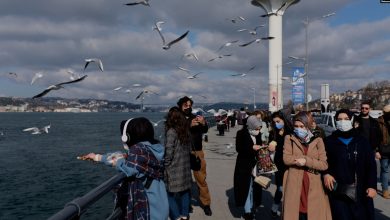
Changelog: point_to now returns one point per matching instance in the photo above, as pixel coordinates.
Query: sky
(347, 50)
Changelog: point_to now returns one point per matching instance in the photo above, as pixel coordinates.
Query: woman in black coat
(349, 153)
(248, 141)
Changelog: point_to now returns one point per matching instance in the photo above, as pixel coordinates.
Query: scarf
(143, 160)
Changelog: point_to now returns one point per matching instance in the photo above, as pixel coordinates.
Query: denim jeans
(249, 199)
(179, 204)
(384, 174)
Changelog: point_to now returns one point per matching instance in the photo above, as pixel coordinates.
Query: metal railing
(75, 208)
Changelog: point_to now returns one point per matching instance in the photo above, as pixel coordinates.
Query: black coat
(197, 133)
(374, 133)
(246, 160)
(342, 166)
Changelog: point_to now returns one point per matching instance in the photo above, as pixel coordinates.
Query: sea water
(39, 174)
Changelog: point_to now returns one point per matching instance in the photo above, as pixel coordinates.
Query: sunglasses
(364, 108)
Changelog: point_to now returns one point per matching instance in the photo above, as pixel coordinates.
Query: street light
(254, 98)
(306, 58)
(279, 87)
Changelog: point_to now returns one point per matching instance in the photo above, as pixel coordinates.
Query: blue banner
(298, 85)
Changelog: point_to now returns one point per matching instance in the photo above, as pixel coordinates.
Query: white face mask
(344, 125)
(254, 132)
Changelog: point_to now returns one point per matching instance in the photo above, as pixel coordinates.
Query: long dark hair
(139, 130)
(177, 121)
(288, 128)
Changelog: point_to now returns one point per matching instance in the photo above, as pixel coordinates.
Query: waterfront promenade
(221, 157)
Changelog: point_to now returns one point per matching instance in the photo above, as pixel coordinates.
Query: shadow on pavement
(236, 212)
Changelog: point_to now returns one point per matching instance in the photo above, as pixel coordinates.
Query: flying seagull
(256, 40)
(36, 130)
(191, 76)
(15, 75)
(227, 45)
(244, 74)
(142, 2)
(189, 55)
(220, 56)
(234, 20)
(251, 31)
(155, 124)
(117, 88)
(194, 76)
(166, 46)
(94, 60)
(144, 92)
(36, 76)
(58, 86)
(73, 75)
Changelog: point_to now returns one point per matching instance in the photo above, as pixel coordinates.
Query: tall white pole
(275, 60)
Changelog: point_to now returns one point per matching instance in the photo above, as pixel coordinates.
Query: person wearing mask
(317, 131)
(177, 173)
(384, 150)
(142, 195)
(305, 157)
(281, 127)
(248, 142)
(198, 126)
(351, 161)
(368, 127)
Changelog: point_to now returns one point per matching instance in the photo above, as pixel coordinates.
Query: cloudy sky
(347, 50)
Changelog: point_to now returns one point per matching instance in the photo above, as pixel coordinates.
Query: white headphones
(125, 136)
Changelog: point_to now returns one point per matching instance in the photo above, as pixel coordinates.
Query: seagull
(166, 46)
(13, 74)
(73, 75)
(220, 56)
(192, 76)
(256, 40)
(94, 60)
(227, 45)
(234, 20)
(142, 2)
(128, 91)
(136, 85)
(274, 13)
(244, 74)
(57, 87)
(36, 130)
(144, 92)
(117, 88)
(251, 31)
(36, 76)
(155, 124)
(189, 55)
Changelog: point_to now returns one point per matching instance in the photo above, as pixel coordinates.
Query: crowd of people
(316, 177)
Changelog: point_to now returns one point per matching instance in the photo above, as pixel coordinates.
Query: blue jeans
(384, 174)
(179, 204)
(249, 199)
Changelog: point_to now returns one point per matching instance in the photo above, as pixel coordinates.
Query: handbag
(195, 162)
(347, 191)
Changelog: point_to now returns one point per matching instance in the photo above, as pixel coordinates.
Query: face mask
(344, 125)
(301, 132)
(279, 125)
(187, 111)
(254, 132)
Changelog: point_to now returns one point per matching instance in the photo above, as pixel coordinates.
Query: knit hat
(386, 108)
(253, 122)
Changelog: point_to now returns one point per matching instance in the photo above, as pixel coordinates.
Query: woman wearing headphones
(142, 195)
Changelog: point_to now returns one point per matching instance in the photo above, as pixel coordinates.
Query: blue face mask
(301, 132)
(279, 125)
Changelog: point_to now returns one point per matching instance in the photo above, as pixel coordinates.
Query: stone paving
(221, 158)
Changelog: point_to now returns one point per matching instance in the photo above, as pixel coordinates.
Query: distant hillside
(233, 105)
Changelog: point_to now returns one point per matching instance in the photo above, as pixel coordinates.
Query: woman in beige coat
(305, 157)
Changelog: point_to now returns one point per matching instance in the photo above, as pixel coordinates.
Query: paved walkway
(221, 158)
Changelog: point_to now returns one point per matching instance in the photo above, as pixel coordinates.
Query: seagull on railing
(142, 2)
(166, 46)
(57, 87)
(94, 60)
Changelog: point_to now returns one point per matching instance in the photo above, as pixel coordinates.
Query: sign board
(298, 82)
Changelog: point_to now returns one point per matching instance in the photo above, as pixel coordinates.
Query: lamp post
(306, 58)
(254, 98)
(279, 88)
(274, 11)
